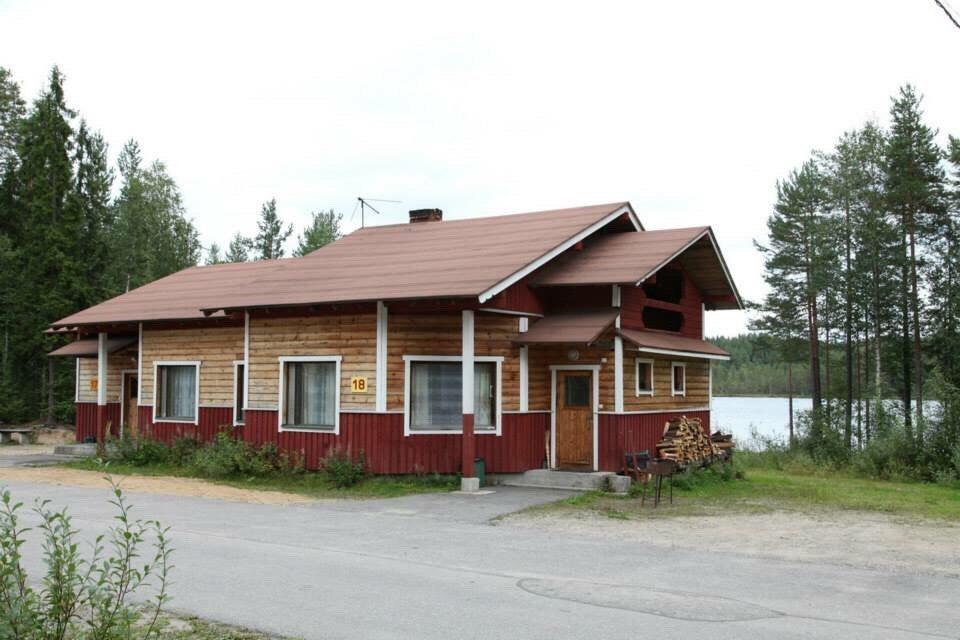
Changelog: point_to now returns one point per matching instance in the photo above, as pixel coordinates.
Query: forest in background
(757, 368)
(77, 229)
(863, 258)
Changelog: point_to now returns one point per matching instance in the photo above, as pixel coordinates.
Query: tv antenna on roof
(365, 204)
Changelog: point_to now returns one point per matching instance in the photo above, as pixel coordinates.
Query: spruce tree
(271, 235)
(213, 255)
(324, 228)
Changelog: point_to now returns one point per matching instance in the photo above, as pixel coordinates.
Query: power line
(949, 15)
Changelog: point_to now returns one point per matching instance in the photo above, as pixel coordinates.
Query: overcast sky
(690, 110)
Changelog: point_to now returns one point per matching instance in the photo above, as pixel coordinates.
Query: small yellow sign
(93, 384)
(359, 385)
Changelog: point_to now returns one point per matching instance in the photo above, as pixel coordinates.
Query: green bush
(228, 456)
(140, 452)
(343, 469)
(182, 451)
(81, 597)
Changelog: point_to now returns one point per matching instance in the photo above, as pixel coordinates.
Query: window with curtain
(310, 394)
(436, 396)
(177, 392)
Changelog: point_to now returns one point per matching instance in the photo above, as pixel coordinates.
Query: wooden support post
(101, 386)
(618, 374)
(468, 446)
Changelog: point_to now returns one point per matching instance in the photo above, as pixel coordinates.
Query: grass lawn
(190, 628)
(765, 490)
(314, 485)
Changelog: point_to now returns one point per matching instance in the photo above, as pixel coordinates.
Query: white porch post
(101, 385)
(524, 368)
(381, 379)
(246, 364)
(618, 374)
(468, 449)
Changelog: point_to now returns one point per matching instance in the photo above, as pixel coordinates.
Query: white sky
(690, 110)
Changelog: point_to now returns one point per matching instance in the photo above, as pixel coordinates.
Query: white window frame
(673, 382)
(407, 431)
(156, 385)
(636, 376)
(337, 360)
(236, 365)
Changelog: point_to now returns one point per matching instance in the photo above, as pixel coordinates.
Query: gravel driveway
(433, 566)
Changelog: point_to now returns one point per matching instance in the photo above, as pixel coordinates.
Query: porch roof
(88, 348)
(668, 344)
(574, 327)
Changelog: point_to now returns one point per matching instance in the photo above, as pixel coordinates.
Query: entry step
(550, 479)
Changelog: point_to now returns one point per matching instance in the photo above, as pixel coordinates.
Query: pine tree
(238, 249)
(794, 262)
(213, 255)
(324, 228)
(91, 195)
(915, 195)
(12, 110)
(271, 235)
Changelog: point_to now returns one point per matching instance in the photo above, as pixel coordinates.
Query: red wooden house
(556, 338)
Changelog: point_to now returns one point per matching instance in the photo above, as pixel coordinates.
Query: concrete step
(79, 450)
(550, 479)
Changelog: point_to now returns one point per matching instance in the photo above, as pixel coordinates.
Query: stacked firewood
(685, 442)
(724, 444)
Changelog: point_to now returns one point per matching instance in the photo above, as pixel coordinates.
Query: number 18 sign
(358, 385)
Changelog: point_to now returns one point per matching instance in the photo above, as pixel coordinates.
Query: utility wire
(949, 15)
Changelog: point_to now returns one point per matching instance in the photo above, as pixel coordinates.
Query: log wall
(698, 384)
(116, 362)
(215, 348)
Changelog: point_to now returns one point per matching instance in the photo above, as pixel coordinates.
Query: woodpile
(724, 444)
(685, 442)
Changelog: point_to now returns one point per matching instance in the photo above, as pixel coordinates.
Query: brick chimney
(426, 215)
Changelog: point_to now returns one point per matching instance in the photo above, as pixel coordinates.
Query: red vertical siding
(211, 421)
(619, 434)
(387, 451)
(86, 420)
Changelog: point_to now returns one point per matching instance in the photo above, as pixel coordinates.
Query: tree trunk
(51, 387)
(790, 401)
(877, 360)
(917, 353)
(905, 345)
(826, 355)
(848, 345)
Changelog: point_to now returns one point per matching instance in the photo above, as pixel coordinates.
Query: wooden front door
(574, 419)
(131, 410)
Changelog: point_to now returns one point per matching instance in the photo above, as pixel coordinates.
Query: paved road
(434, 567)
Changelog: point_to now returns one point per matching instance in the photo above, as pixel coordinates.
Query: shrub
(342, 469)
(182, 451)
(221, 457)
(140, 452)
(77, 596)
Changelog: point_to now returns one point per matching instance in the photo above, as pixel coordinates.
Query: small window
(644, 377)
(662, 319)
(679, 379)
(176, 392)
(310, 394)
(239, 370)
(436, 391)
(576, 391)
(667, 286)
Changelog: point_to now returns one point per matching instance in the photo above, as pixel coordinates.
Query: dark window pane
(655, 318)
(644, 376)
(667, 286)
(577, 391)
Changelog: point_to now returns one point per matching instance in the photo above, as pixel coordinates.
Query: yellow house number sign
(358, 385)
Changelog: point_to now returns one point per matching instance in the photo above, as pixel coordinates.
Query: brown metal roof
(178, 296)
(89, 348)
(575, 327)
(444, 259)
(658, 342)
(630, 258)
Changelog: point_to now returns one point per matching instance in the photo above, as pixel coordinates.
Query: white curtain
(179, 387)
(435, 395)
(484, 394)
(311, 394)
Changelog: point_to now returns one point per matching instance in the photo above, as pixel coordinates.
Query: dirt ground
(188, 487)
(849, 538)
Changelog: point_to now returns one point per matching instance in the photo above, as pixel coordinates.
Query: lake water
(767, 416)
